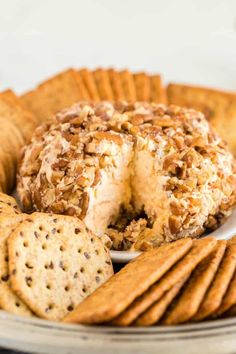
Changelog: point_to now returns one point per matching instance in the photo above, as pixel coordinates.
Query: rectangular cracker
(128, 85)
(9, 301)
(55, 262)
(121, 290)
(90, 84)
(218, 106)
(218, 288)
(157, 310)
(103, 84)
(142, 86)
(157, 89)
(15, 113)
(55, 94)
(201, 248)
(117, 89)
(193, 293)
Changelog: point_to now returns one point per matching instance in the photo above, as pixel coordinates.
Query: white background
(187, 41)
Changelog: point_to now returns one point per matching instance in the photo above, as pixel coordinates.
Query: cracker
(10, 95)
(115, 80)
(128, 85)
(157, 89)
(142, 86)
(20, 117)
(9, 301)
(157, 310)
(130, 282)
(103, 84)
(201, 248)
(90, 84)
(53, 95)
(8, 205)
(218, 106)
(82, 88)
(55, 262)
(218, 288)
(190, 299)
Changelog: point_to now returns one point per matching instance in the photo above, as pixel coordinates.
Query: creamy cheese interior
(113, 190)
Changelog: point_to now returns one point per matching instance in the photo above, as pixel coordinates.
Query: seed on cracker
(157, 310)
(190, 299)
(218, 288)
(201, 248)
(55, 262)
(135, 278)
(9, 301)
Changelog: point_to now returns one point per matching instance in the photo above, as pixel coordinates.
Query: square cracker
(157, 310)
(103, 84)
(128, 85)
(55, 94)
(193, 293)
(9, 301)
(116, 84)
(89, 83)
(201, 248)
(218, 106)
(157, 89)
(218, 288)
(142, 86)
(130, 282)
(55, 262)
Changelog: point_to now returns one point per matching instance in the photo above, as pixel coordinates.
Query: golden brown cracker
(157, 310)
(218, 106)
(120, 291)
(157, 89)
(115, 80)
(128, 85)
(90, 84)
(218, 288)
(55, 262)
(9, 301)
(53, 95)
(201, 248)
(103, 84)
(193, 293)
(142, 86)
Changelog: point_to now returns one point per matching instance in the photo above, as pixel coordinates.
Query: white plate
(226, 231)
(41, 336)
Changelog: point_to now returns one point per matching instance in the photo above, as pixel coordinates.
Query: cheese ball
(162, 170)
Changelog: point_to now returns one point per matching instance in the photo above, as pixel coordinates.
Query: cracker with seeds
(218, 288)
(142, 86)
(55, 262)
(190, 299)
(116, 84)
(157, 310)
(134, 279)
(9, 301)
(128, 85)
(218, 106)
(55, 94)
(103, 84)
(157, 89)
(201, 248)
(90, 84)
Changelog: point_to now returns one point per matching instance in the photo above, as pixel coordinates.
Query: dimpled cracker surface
(55, 262)
(189, 301)
(9, 301)
(120, 291)
(200, 249)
